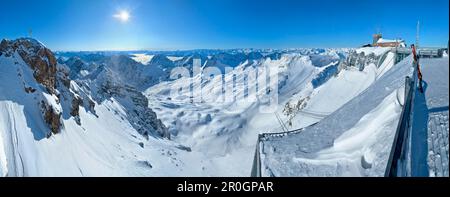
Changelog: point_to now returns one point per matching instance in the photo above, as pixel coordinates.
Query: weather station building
(379, 41)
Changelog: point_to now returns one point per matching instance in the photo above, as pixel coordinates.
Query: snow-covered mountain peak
(45, 113)
(37, 56)
(162, 61)
(29, 44)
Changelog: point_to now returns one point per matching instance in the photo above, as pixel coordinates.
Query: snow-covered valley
(115, 114)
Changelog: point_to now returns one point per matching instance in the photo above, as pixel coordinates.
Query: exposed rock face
(30, 90)
(44, 66)
(75, 64)
(92, 106)
(359, 60)
(62, 76)
(38, 57)
(76, 102)
(161, 60)
(51, 117)
(142, 118)
(3, 46)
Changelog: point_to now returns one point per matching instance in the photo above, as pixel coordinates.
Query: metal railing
(399, 150)
(256, 168)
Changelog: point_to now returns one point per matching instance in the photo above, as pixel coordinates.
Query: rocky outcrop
(38, 57)
(4, 46)
(62, 76)
(291, 109)
(30, 90)
(92, 106)
(52, 117)
(142, 118)
(76, 103)
(358, 60)
(43, 64)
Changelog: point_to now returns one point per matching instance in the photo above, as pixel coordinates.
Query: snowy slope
(353, 141)
(225, 131)
(100, 139)
(89, 118)
(211, 129)
(353, 78)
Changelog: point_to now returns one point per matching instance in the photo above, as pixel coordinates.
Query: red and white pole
(416, 62)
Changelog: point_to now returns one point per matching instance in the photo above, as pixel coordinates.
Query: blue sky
(193, 24)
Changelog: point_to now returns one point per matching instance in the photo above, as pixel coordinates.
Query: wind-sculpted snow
(226, 131)
(352, 141)
(306, 94)
(334, 86)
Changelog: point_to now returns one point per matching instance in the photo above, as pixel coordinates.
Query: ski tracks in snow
(11, 146)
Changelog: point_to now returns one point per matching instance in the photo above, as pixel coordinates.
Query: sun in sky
(123, 16)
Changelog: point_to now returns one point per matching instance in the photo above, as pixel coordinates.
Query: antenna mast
(417, 34)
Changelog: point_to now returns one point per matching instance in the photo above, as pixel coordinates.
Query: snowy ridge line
(398, 153)
(384, 68)
(314, 114)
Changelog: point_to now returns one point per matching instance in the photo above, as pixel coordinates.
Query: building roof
(382, 40)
